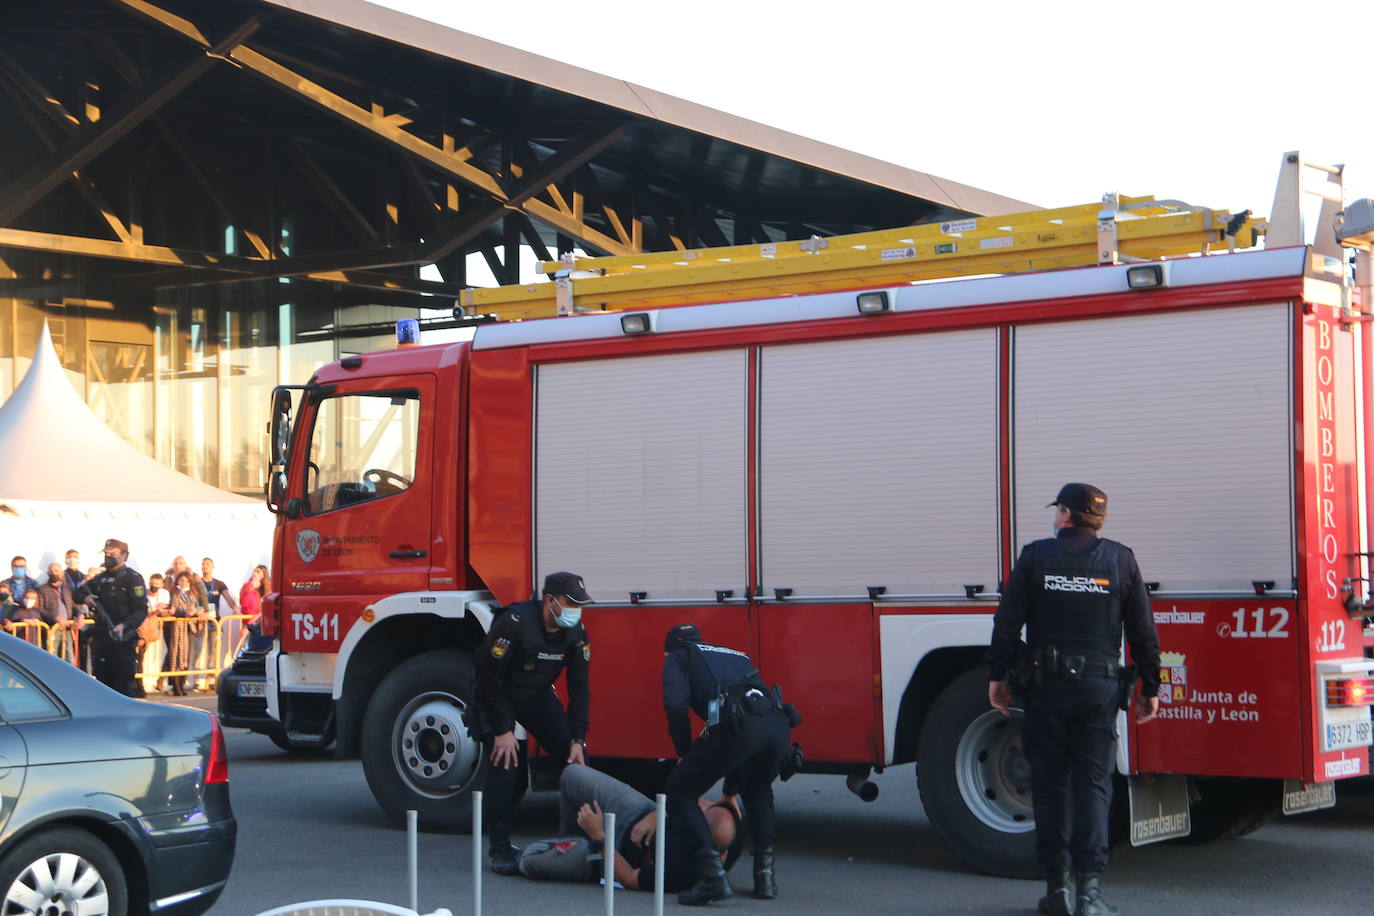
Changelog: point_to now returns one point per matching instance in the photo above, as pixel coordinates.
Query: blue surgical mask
(19, 571)
(568, 617)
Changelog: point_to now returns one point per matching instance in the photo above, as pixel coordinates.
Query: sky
(1053, 103)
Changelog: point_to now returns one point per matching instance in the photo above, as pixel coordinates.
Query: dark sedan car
(108, 805)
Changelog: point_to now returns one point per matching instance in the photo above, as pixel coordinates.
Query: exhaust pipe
(858, 784)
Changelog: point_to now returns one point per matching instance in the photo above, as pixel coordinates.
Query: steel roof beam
(131, 111)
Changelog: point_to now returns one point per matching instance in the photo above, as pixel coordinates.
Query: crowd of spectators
(193, 618)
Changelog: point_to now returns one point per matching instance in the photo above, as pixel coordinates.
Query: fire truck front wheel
(975, 780)
(417, 750)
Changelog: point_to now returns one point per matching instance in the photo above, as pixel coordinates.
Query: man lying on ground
(585, 796)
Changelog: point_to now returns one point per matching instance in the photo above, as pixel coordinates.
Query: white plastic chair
(348, 908)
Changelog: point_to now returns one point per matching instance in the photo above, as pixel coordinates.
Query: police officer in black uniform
(1074, 593)
(746, 740)
(528, 646)
(119, 602)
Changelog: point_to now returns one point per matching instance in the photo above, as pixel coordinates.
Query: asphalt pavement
(309, 829)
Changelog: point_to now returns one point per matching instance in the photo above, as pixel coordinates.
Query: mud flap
(1300, 797)
(1159, 808)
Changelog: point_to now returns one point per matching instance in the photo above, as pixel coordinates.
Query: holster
(792, 763)
(1023, 673)
(787, 709)
(1128, 676)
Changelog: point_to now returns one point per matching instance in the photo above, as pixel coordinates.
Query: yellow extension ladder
(1116, 230)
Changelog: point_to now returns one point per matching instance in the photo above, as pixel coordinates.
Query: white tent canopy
(68, 481)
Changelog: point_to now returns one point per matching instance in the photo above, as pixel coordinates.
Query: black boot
(1059, 893)
(765, 883)
(712, 884)
(504, 858)
(1090, 902)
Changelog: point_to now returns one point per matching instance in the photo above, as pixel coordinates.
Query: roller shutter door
(640, 474)
(1184, 419)
(878, 465)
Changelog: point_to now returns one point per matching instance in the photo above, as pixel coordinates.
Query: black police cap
(567, 585)
(683, 632)
(1081, 497)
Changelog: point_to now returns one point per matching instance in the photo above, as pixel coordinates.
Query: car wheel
(975, 780)
(64, 872)
(418, 753)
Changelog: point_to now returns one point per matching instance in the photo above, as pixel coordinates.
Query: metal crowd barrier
(222, 641)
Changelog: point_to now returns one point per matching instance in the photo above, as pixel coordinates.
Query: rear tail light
(1350, 691)
(217, 767)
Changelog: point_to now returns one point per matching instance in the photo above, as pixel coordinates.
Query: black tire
(91, 854)
(1228, 809)
(975, 782)
(417, 751)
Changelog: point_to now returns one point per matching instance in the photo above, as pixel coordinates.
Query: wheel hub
(433, 748)
(60, 884)
(993, 772)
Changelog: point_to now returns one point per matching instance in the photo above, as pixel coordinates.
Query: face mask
(111, 562)
(29, 602)
(19, 571)
(73, 562)
(4, 596)
(568, 617)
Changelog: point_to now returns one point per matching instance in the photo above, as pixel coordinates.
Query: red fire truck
(832, 467)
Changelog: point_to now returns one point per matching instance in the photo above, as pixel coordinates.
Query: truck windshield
(362, 447)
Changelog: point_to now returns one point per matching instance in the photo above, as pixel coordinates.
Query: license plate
(252, 688)
(1342, 735)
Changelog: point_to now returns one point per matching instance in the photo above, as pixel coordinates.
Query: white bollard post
(413, 857)
(660, 850)
(477, 854)
(608, 850)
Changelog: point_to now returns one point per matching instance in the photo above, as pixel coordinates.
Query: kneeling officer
(526, 649)
(746, 740)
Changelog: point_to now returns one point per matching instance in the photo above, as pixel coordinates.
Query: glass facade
(187, 379)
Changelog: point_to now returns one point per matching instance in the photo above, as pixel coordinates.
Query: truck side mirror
(278, 446)
(276, 491)
(280, 430)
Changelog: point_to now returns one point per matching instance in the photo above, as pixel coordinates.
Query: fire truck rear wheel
(417, 750)
(975, 780)
(1232, 808)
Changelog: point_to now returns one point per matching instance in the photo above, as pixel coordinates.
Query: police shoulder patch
(499, 647)
(586, 653)
(138, 591)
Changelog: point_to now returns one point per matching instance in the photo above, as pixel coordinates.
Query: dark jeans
(544, 718)
(1070, 742)
(750, 758)
(114, 662)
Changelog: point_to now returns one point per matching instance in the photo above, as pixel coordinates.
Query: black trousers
(114, 662)
(1070, 742)
(749, 758)
(544, 718)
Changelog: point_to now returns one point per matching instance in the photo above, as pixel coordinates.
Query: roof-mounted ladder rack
(1117, 230)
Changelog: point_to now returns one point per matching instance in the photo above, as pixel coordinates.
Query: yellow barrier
(220, 642)
(218, 645)
(34, 631)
